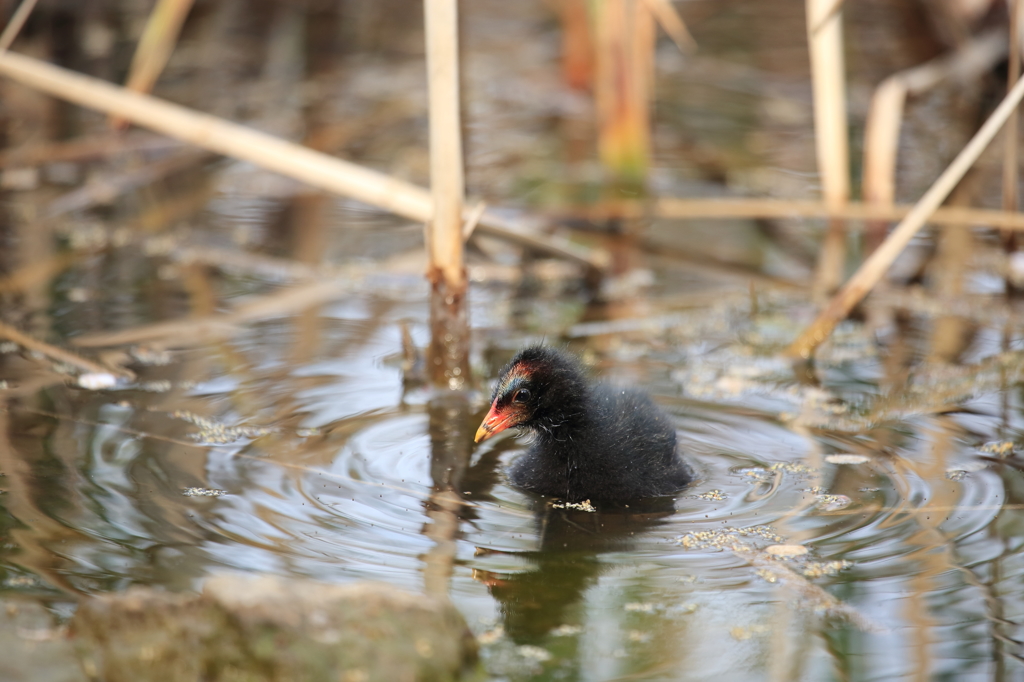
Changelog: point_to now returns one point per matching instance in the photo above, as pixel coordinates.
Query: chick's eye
(521, 396)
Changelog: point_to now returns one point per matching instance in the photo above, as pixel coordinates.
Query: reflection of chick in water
(536, 601)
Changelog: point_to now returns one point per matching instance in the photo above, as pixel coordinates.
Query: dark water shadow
(540, 599)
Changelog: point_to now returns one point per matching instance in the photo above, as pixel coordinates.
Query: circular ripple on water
(363, 514)
(907, 512)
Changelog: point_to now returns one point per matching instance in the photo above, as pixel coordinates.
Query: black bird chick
(592, 441)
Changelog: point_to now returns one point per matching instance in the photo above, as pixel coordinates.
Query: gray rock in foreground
(33, 648)
(248, 629)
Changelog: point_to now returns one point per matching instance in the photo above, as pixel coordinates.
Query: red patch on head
(520, 370)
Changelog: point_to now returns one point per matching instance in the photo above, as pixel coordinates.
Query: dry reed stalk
(1011, 169)
(875, 267)
(624, 32)
(56, 354)
(14, 26)
(155, 47)
(781, 209)
(444, 229)
(881, 143)
(832, 261)
(824, 13)
(289, 159)
(494, 224)
(473, 219)
(825, 41)
(448, 355)
(885, 116)
(673, 24)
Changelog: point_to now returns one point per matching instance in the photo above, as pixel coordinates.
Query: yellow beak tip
(481, 434)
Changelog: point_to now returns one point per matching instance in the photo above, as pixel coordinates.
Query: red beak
(494, 422)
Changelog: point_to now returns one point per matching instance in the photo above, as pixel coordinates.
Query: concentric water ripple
(332, 476)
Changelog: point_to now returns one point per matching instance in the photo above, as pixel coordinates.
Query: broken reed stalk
(875, 267)
(13, 27)
(289, 159)
(155, 47)
(1010, 164)
(828, 76)
(885, 116)
(673, 24)
(448, 355)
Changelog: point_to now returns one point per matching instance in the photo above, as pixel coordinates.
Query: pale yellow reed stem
(875, 267)
(784, 208)
(828, 77)
(444, 230)
(13, 27)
